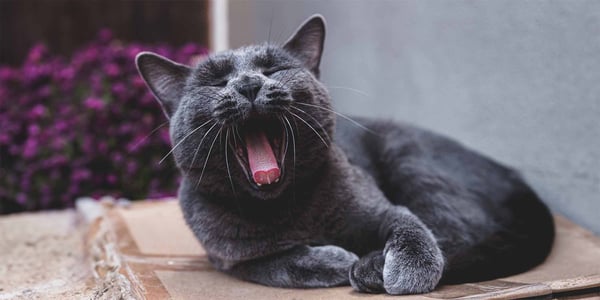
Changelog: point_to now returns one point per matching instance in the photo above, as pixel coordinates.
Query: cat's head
(252, 120)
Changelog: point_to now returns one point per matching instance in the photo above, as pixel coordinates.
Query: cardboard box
(146, 251)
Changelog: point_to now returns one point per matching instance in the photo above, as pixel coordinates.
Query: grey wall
(516, 80)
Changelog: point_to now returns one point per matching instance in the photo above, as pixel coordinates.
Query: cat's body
(286, 200)
(472, 199)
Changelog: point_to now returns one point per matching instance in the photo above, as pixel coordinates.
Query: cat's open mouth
(261, 151)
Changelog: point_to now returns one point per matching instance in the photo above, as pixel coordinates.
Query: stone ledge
(145, 251)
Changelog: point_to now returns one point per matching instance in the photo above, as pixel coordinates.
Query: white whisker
(316, 121)
(199, 145)
(227, 160)
(286, 139)
(183, 139)
(313, 129)
(341, 115)
(294, 159)
(208, 156)
(293, 140)
(351, 89)
(150, 134)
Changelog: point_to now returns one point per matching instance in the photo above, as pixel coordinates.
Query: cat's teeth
(258, 184)
(276, 180)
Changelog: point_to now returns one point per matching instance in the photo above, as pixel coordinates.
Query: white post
(219, 25)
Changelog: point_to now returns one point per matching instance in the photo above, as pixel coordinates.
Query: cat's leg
(410, 263)
(300, 267)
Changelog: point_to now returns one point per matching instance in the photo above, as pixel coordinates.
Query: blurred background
(515, 80)
(75, 117)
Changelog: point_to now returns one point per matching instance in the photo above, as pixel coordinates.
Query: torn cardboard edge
(146, 251)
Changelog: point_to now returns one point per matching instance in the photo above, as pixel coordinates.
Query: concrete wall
(516, 80)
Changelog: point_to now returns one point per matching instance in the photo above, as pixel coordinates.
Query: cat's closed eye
(273, 70)
(221, 83)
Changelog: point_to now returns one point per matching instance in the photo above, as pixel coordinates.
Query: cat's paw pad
(412, 272)
(366, 274)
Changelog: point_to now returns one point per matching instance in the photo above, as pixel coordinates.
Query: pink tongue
(261, 158)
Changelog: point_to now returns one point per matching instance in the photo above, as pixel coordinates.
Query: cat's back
(369, 142)
(378, 145)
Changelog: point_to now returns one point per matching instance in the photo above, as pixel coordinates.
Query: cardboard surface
(161, 259)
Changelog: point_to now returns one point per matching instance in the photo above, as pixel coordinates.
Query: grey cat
(281, 193)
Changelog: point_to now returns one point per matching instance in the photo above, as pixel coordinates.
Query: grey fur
(416, 207)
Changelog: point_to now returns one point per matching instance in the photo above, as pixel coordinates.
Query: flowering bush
(88, 126)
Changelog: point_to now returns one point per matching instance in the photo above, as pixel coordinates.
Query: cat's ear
(164, 77)
(307, 43)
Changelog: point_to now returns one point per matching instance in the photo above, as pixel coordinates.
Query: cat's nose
(249, 88)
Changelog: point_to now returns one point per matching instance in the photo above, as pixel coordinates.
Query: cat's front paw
(412, 268)
(333, 266)
(366, 273)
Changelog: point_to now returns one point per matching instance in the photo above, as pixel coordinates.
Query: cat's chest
(284, 226)
(233, 236)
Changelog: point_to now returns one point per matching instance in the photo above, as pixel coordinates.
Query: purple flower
(61, 125)
(105, 35)
(138, 82)
(33, 129)
(83, 126)
(4, 138)
(94, 103)
(120, 90)
(37, 53)
(112, 179)
(80, 175)
(117, 158)
(65, 74)
(22, 199)
(7, 73)
(44, 92)
(132, 167)
(37, 111)
(31, 148)
(58, 143)
(112, 70)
